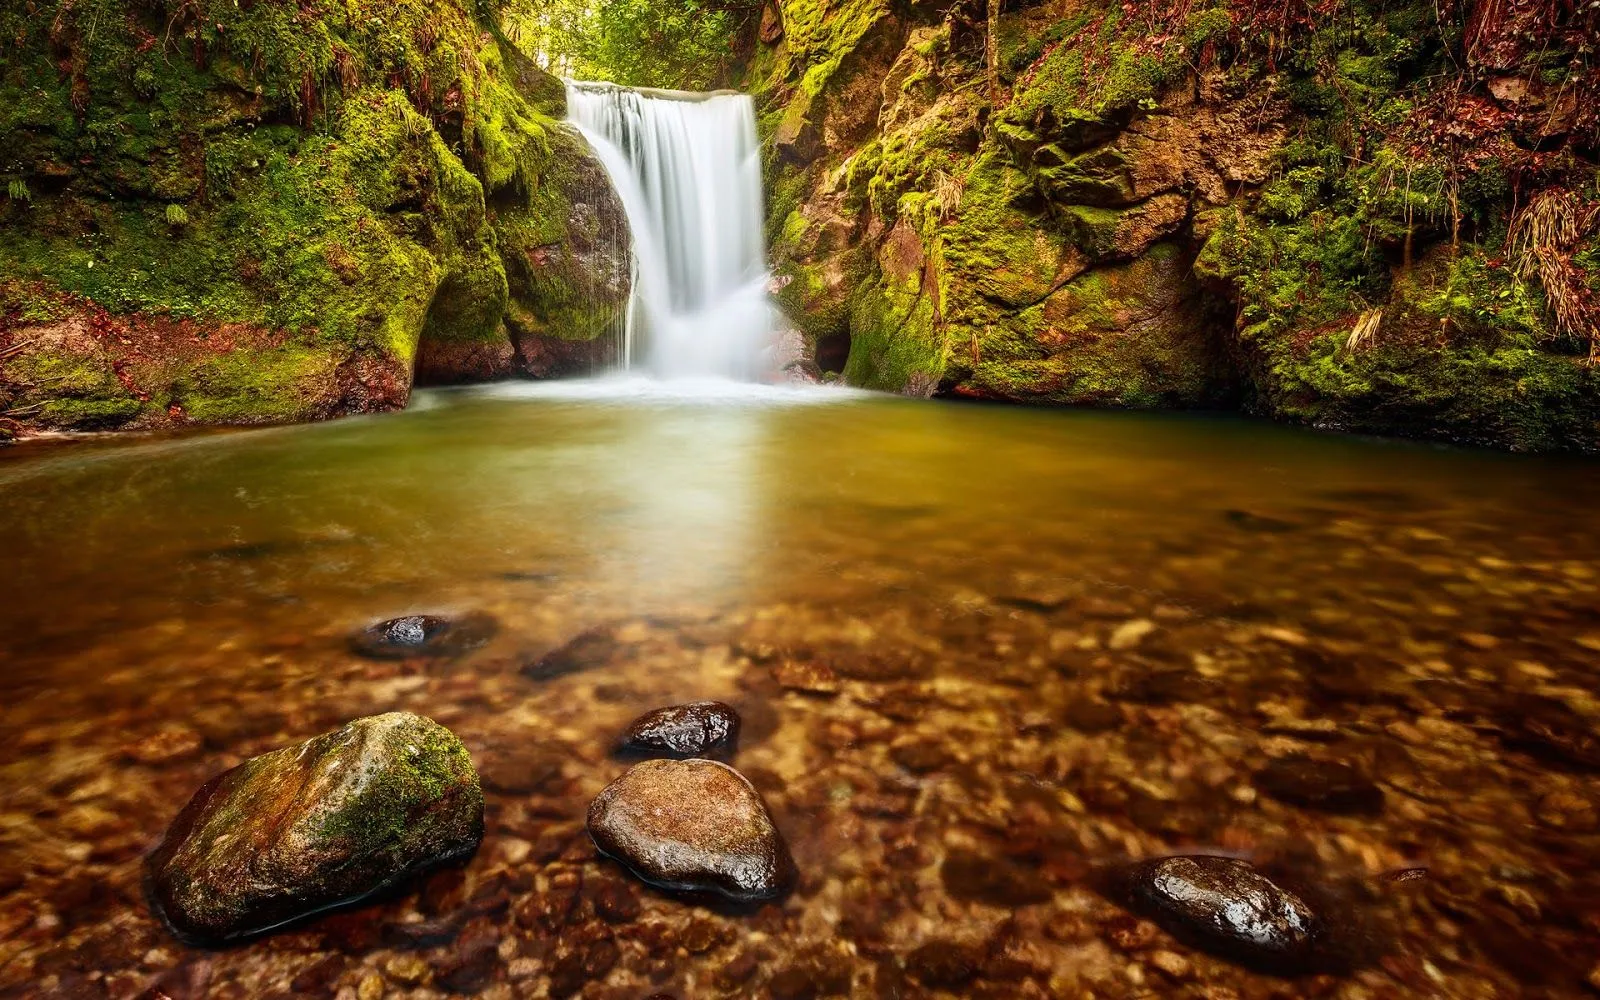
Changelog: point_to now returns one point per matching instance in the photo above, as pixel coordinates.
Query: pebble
(1226, 905)
(406, 969)
(587, 650)
(697, 729)
(423, 635)
(694, 825)
(1130, 633)
(1328, 786)
(806, 676)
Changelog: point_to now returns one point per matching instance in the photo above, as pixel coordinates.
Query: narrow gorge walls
(1197, 205)
(243, 213)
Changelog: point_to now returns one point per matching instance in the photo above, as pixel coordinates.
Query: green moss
(255, 386)
(322, 180)
(894, 343)
(90, 414)
(820, 34)
(418, 764)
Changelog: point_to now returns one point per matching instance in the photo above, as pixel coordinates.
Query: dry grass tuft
(1544, 238)
(947, 192)
(1365, 330)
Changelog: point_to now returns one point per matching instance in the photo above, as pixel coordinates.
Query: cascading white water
(688, 172)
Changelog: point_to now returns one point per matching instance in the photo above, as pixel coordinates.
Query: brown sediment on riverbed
(1010, 711)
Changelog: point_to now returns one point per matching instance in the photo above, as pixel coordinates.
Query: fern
(17, 190)
(176, 216)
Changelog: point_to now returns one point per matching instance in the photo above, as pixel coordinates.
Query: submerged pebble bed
(969, 722)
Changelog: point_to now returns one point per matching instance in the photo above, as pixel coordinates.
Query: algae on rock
(1195, 207)
(245, 215)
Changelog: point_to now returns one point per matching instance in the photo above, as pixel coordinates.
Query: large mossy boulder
(222, 213)
(309, 827)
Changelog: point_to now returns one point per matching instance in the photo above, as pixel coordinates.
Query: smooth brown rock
(693, 730)
(591, 648)
(309, 827)
(693, 825)
(1327, 786)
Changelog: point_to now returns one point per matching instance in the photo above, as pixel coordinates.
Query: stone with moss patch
(309, 827)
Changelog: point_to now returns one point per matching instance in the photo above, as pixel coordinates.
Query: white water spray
(688, 172)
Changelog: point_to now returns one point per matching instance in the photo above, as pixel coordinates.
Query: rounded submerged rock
(1324, 785)
(692, 825)
(1225, 905)
(423, 635)
(693, 730)
(310, 827)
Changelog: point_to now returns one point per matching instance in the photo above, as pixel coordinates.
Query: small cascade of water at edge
(687, 170)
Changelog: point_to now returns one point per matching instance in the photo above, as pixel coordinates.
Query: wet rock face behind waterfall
(308, 827)
(693, 825)
(693, 730)
(1225, 905)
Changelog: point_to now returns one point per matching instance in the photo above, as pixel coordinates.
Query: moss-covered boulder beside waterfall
(227, 213)
(1383, 221)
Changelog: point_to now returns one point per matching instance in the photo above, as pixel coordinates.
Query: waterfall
(687, 169)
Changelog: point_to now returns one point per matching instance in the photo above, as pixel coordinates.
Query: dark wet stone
(878, 666)
(1329, 786)
(1225, 905)
(996, 881)
(352, 812)
(553, 907)
(615, 900)
(590, 956)
(1246, 521)
(1165, 687)
(1090, 716)
(693, 825)
(423, 635)
(815, 972)
(1550, 731)
(693, 730)
(523, 771)
(945, 964)
(585, 651)
(1349, 681)
(474, 963)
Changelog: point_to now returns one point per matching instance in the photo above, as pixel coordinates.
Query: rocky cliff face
(1198, 204)
(227, 212)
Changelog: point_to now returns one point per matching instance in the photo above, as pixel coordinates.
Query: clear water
(1060, 640)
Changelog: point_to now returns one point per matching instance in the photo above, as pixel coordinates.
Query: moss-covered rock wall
(1375, 216)
(251, 212)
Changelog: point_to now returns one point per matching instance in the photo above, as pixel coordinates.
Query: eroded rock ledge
(259, 217)
(1141, 206)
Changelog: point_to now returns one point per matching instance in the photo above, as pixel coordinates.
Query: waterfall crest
(687, 169)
